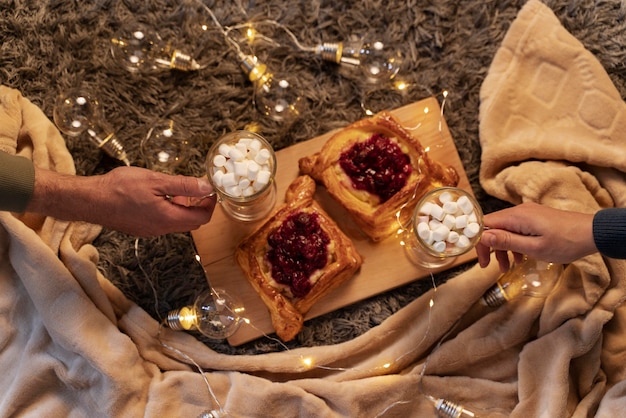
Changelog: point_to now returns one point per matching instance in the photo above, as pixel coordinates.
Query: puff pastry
(377, 171)
(297, 256)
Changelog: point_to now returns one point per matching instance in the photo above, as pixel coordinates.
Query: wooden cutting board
(385, 264)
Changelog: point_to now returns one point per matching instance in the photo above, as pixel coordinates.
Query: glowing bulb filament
(188, 318)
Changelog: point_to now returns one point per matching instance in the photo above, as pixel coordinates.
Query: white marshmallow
(241, 168)
(439, 246)
(449, 221)
(423, 230)
(436, 212)
(429, 239)
(262, 179)
(244, 183)
(450, 207)
(460, 221)
(434, 224)
(453, 237)
(471, 230)
(255, 145)
(229, 180)
(445, 197)
(425, 209)
(463, 242)
(233, 190)
(219, 160)
(224, 149)
(262, 156)
(441, 233)
(248, 191)
(246, 141)
(217, 178)
(465, 205)
(241, 147)
(236, 155)
(253, 170)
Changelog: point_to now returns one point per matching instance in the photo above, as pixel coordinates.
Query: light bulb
(447, 409)
(531, 277)
(165, 146)
(215, 314)
(214, 413)
(275, 94)
(78, 112)
(377, 61)
(140, 49)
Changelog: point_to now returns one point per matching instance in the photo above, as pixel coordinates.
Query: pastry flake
(296, 257)
(377, 171)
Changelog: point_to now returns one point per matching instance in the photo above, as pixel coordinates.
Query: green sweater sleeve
(17, 180)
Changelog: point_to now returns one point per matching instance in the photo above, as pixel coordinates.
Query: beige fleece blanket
(72, 345)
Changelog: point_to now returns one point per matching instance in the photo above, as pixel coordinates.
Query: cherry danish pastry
(374, 168)
(296, 257)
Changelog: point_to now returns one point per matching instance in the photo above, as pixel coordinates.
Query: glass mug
(446, 223)
(241, 166)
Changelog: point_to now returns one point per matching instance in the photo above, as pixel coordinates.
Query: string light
(376, 60)
(442, 406)
(139, 49)
(77, 112)
(165, 146)
(531, 277)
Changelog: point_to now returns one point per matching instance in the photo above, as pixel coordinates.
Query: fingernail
(488, 238)
(205, 186)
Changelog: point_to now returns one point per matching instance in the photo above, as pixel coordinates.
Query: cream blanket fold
(553, 130)
(71, 344)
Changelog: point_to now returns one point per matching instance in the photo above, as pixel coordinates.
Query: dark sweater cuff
(609, 232)
(17, 181)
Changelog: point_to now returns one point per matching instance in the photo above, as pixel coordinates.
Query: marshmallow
(228, 180)
(439, 246)
(463, 242)
(465, 205)
(453, 237)
(437, 212)
(471, 230)
(219, 160)
(445, 197)
(441, 233)
(423, 230)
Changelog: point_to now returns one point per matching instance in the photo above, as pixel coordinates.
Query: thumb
(189, 186)
(502, 240)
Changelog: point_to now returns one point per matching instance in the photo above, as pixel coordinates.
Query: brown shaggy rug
(49, 46)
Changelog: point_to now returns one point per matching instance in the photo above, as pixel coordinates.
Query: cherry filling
(377, 166)
(298, 248)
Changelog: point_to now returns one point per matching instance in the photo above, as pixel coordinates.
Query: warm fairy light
(400, 85)
(250, 34)
(426, 110)
(386, 365)
(307, 361)
(253, 127)
(431, 303)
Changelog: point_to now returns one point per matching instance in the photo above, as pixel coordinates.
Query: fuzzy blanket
(74, 345)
